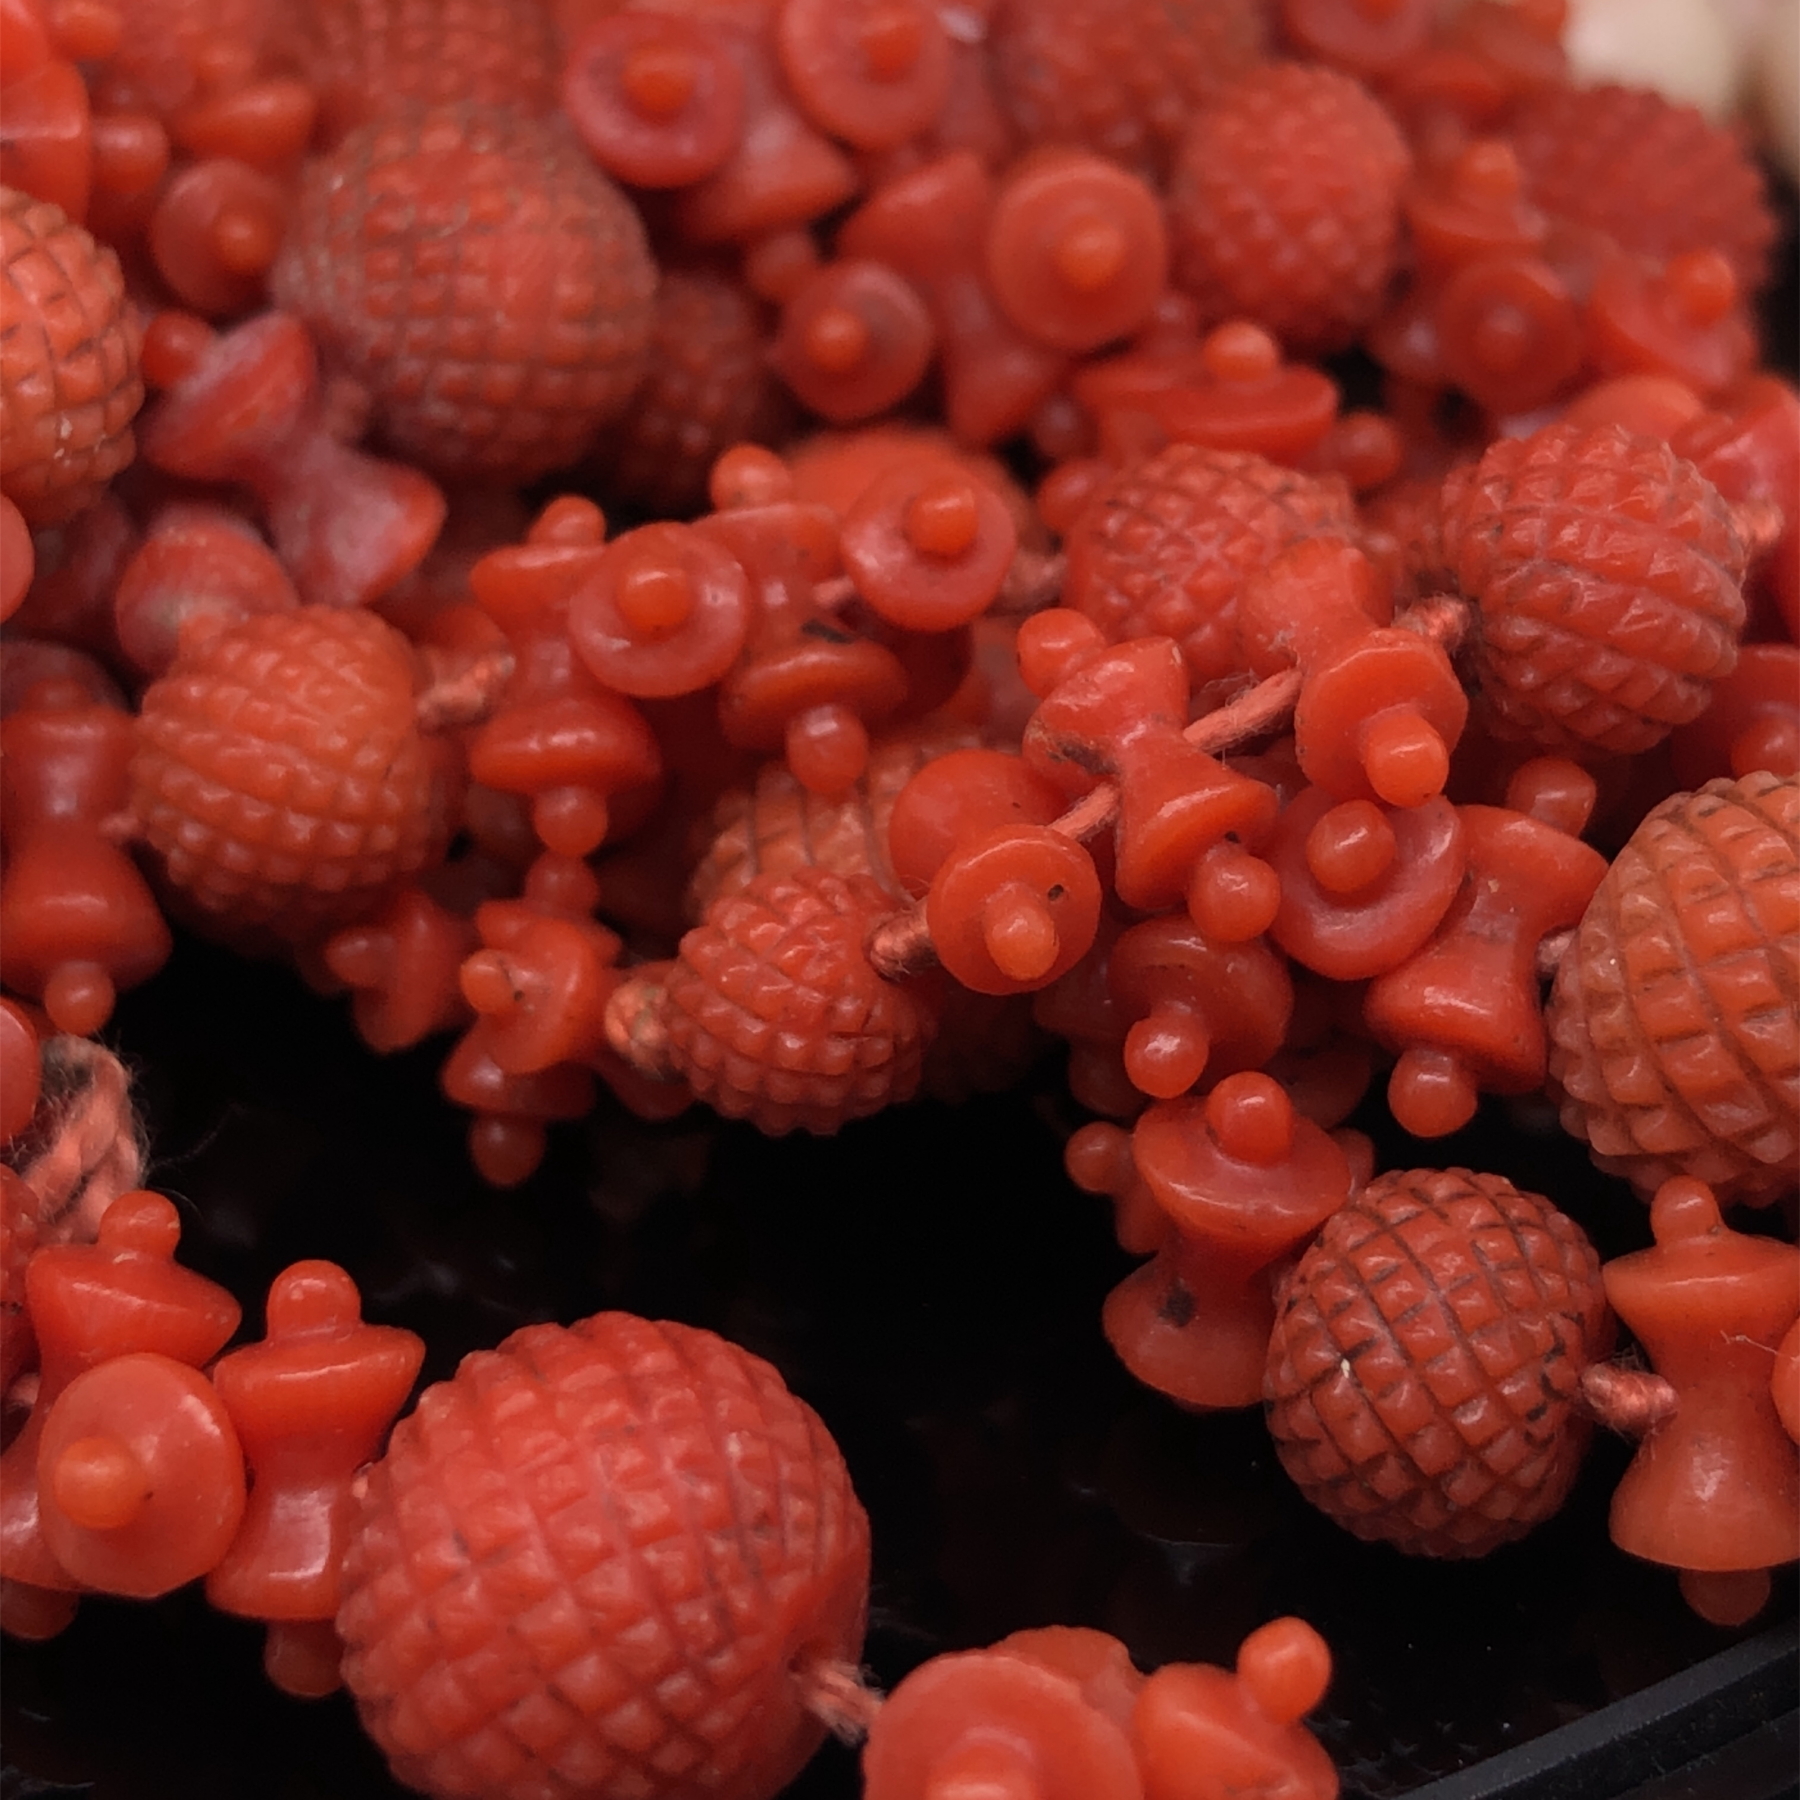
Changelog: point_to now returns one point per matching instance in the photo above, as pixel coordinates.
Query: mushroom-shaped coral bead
(279, 773)
(1606, 572)
(1674, 1044)
(472, 269)
(1426, 1360)
(774, 1013)
(597, 1562)
(1285, 205)
(68, 362)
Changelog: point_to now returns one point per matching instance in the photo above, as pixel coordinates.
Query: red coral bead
(481, 278)
(1285, 204)
(1674, 1045)
(69, 375)
(1607, 572)
(1164, 547)
(590, 1562)
(707, 386)
(774, 1013)
(1656, 175)
(367, 56)
(279, 773)
(1426, 1359)
(1119, 77)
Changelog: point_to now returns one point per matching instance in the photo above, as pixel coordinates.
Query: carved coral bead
(1674, 1044)
(1657, 176)
(589, 1563)
(279, 773)
(1285, 204)
(70, 368)
(1165, 546)
(1606, 571)
(1121, 80)
(1426, 1359)
(774, 1013)
(490, 288)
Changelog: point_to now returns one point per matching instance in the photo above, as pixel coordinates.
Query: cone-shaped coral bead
(589, 1564)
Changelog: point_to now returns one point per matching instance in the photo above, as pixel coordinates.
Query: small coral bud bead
(99, 1484)
(1286, 1666)
(1020, 934)
(1350, 847)
(1052, 644)
(1233, 896)
(1431, 1093)
(749, 475)
(1252, 1118)
(1404, 757)
(827, 748)
(942, 519)
(656, 600)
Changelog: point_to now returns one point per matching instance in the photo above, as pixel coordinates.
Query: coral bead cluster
(779, 559)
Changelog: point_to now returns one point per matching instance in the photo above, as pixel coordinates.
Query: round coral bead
(365, 56)
(589, 1565)
(1164, 546)
(481, 278)
(1119, 77)
(68, 362)
(707, 387)
(774, 1013)
(1606, 571)
(1426, 1361)
(279, 773)
(1674, 1044)
(1285, 205)
(1657, 176)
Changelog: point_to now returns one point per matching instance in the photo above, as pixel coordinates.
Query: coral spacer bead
(603, 1549)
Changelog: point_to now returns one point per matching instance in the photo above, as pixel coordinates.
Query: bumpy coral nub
(1285, 205)
(279, 773)
(774, 1013)
(1163, 548)
(481, 278)
(1674, 1044)
(1606, 570)
(588, 1565)
(1426, 1359)
(68, 365)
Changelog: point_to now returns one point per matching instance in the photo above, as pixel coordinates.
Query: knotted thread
(84, 1146)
